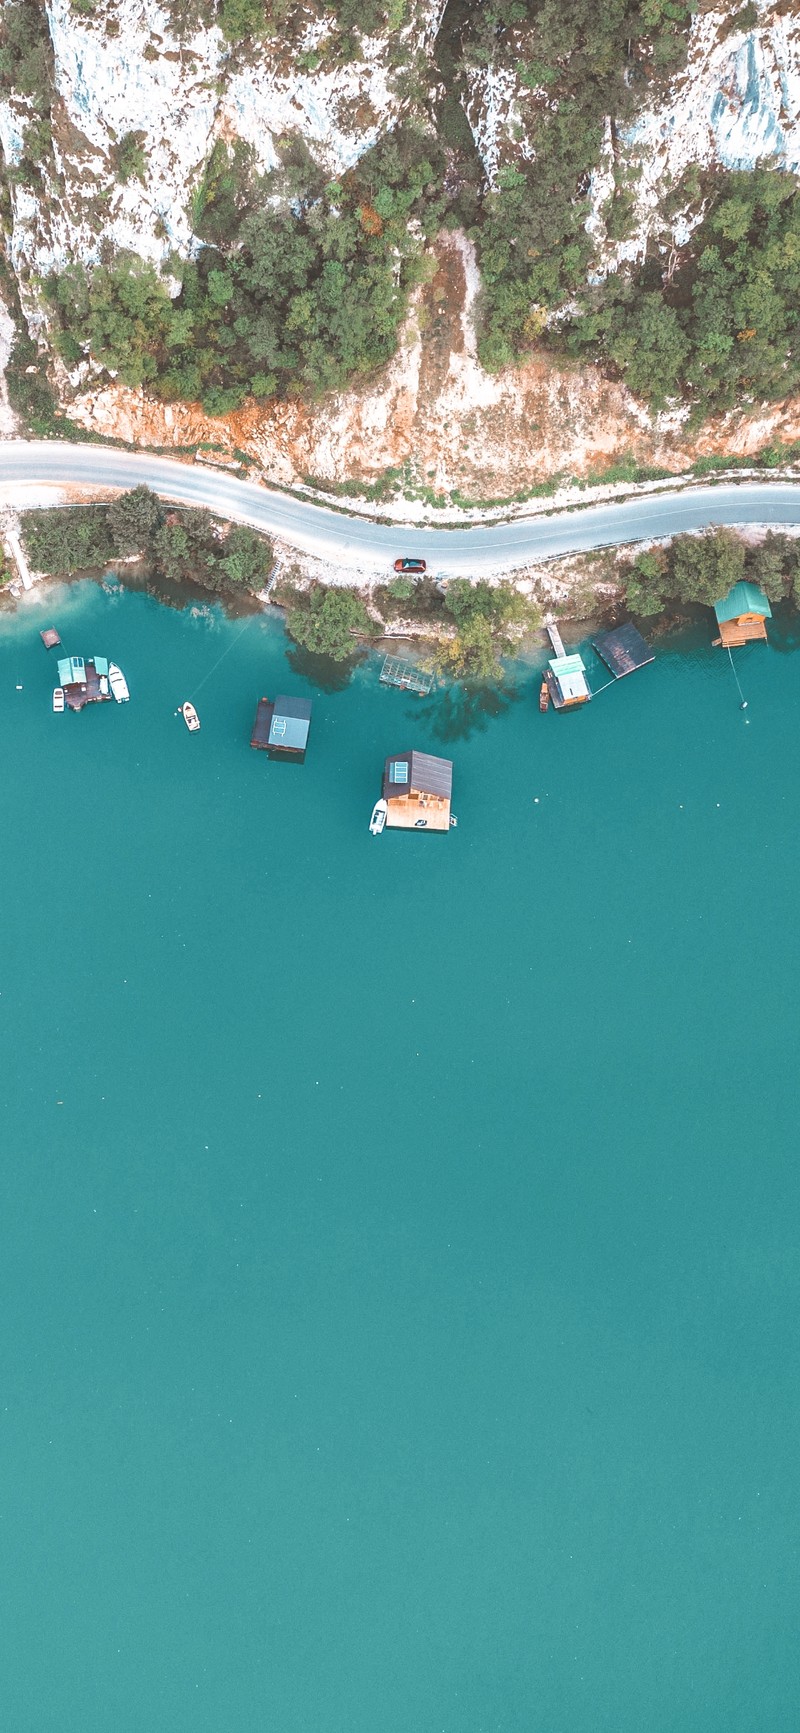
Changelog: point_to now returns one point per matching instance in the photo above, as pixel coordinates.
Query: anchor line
(221, 658)
(736, 677)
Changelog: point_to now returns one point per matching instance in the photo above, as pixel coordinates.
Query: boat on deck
(380, 813)
(58, 699)
(190, 717)
(118, 683)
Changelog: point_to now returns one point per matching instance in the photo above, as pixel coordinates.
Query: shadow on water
(466, 709)
(321, 671)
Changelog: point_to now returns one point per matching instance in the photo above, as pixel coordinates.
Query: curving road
(352, 541)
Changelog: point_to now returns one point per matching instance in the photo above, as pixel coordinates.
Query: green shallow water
(398, 1239)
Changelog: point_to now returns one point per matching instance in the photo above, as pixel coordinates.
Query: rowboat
(58, 699)
(380, 813)
(190, 717)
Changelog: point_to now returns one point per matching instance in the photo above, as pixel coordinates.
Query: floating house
(281, 729)
(417, 789)
(742, 615)
(623, 650)
(84, 682)
(565, 676)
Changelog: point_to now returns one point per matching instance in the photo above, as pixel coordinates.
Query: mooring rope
(743, 705)
(215, 665)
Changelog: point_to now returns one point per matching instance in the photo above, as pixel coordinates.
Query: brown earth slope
(435, 414)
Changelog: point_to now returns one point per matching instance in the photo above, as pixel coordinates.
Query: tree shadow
(466, 708)
(321, 671)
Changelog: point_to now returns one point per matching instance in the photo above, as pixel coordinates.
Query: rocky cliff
(109, 115)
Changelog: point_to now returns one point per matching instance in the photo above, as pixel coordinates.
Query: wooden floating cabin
(50, 638)
(623, 650)
(84, 682)
(742, 615)
(281, 729)
(396, 672)
(417, 789)
(565, 676)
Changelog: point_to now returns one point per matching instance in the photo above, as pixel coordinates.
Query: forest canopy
(300, 287)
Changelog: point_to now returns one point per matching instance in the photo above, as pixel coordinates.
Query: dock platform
(396, 672)
(50, 638)
(623, 650)
(261, 727)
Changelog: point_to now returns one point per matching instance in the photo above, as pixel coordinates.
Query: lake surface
(398, 1238)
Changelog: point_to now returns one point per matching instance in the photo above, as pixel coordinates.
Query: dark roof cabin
(417, 789)
(742, 615)
(623, 650)
(281, 729)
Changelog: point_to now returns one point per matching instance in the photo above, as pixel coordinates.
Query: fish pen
(396, 672)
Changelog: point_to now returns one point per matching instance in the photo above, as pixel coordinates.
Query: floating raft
(261, 727)
(623, 650)
(50, 638)
(395, 672)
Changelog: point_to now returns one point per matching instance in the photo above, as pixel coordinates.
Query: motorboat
(58, 699)
(190, 717)
(380, 813)
(118, 683)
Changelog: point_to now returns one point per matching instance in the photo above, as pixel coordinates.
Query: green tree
(650, 348)
(328, 625)
(69, 540)
(134, 520)
(128, 157)
(401, 589)
(171, 548)
(775, 564)
(248, 558)
(647, 581)
(472, 654)
(705, 567)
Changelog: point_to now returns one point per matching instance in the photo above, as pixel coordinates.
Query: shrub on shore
(703, 568)
(328, 621)
(186, 544)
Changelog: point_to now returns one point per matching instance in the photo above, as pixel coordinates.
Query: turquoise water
(398, 1239)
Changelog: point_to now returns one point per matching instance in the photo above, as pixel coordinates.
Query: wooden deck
(407, 815)
(261, 727)
(737, 632)
(78, 695)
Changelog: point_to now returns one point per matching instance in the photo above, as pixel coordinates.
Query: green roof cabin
(742, 615)
(564, 680)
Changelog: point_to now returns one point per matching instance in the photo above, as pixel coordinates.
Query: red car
(409, 565)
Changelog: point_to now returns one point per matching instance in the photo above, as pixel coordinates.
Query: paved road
(351, 541)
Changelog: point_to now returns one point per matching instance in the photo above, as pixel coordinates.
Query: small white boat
(190, 717)
(58, 699)
(118, 683)
(380, 813)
